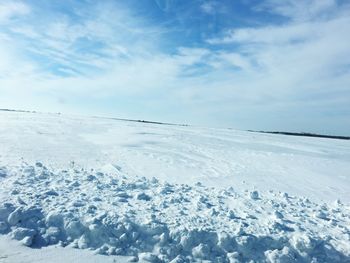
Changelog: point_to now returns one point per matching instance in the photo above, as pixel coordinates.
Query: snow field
(313, 167)
(155, 221)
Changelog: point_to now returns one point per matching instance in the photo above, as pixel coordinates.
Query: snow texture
(160, 222)
(75, 192)
(12, 251)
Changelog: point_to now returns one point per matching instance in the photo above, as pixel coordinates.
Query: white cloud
(301, 66)
(208, 7)
(299, 10)
(272, 69)
(293, 54)
(10, 9)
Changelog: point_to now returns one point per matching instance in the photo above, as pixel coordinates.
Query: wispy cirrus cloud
(182, 63)
(103, 53)
(11, 9)
(301, 10)
(297, 67)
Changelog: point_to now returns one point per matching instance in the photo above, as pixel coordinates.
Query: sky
(244, 64)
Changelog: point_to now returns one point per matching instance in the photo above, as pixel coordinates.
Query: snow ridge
(160, 222)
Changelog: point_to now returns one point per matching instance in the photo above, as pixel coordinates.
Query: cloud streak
(128, 61)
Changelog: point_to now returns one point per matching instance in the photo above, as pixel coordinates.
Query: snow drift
(161, 222)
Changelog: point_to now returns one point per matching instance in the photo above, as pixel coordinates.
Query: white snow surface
(163, 193)
(12, 251)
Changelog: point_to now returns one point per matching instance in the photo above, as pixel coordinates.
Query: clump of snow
(254, 195)
(143, 196)
(3, 172)
(157, 221)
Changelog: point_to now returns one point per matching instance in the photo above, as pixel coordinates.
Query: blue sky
(246, 64)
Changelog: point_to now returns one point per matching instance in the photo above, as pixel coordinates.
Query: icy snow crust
(160, 222)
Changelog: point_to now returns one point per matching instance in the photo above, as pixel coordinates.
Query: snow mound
(160, 222)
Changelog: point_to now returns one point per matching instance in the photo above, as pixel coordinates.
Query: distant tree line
(306, 134)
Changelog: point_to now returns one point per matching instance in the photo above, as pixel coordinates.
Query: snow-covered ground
(160, 192)
(12, 251)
